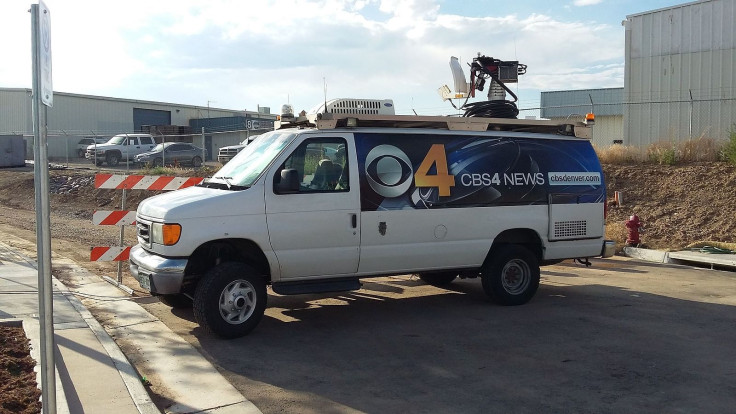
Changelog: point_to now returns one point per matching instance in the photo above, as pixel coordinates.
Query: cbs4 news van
(316, 205)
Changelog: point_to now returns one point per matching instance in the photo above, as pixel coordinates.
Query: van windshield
(247, 166)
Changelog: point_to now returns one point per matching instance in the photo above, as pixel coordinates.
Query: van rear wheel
(230, 300)
(438, 279)
(511, 277)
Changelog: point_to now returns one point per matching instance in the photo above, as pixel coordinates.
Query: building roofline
(140, 101)
(678, 6)
(588, 89)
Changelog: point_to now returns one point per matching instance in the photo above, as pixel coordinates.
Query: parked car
(120, 147)
(86, 142)
(172, 153)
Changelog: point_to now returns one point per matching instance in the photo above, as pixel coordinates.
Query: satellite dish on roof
(462, 87)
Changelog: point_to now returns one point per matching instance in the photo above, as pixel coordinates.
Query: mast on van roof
(483, 68)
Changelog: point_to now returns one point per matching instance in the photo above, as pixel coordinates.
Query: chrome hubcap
(237, 301)
(515, 276)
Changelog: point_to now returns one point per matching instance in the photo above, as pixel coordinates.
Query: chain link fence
(641, 124)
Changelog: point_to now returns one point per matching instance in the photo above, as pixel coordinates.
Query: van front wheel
(230, 300)
(511, 276)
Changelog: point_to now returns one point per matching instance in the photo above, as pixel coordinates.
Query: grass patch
(702, 149)
(203, 171)
(728, 153)
(619, 154)
(663, 153)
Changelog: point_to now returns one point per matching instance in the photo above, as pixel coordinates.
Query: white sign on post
(47, 90)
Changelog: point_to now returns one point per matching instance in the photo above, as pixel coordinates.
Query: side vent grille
(564, 229)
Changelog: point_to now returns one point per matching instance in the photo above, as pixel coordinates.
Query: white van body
(316, 209)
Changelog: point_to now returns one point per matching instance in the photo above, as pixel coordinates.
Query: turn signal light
(171, 234)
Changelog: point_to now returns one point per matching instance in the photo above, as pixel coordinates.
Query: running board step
(321, 286)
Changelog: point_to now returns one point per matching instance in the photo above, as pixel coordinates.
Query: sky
(243, 54)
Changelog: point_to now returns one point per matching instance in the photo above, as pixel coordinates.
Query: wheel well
(525, 237)
(212, 253)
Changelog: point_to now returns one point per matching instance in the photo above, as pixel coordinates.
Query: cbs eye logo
(388, 171)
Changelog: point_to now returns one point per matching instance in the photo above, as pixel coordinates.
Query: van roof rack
(333, 121)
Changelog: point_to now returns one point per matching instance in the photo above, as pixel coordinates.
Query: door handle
(354, 220)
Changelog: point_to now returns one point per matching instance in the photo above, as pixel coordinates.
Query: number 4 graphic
(442, 179)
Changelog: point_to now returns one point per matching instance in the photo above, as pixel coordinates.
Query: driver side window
(321, 165)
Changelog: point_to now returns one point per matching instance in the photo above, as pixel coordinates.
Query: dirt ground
(18, 391)
(679, 205)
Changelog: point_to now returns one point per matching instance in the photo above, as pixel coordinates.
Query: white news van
(316, 207)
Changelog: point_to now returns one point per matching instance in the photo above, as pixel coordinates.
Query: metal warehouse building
(680, 75)
(74, 117)
(679, 79)
(604, 103)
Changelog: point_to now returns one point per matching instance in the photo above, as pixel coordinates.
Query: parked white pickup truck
(120, 147)
(227, 153)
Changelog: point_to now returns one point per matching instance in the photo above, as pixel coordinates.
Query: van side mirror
(289, 183)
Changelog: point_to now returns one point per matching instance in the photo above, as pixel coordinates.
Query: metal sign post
(43, 97)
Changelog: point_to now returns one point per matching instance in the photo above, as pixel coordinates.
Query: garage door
(150, 117)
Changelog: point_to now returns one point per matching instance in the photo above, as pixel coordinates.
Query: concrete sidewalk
(92, 373)
(684, 257)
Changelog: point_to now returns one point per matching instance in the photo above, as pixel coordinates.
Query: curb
(648, 255)
(161, 353)
(130, 377)
(682, 258)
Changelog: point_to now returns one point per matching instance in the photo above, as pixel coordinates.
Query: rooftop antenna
(324, 82)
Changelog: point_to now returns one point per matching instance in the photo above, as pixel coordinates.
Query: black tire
(158, 162)
(176, 301)
(511, 277)
(213, 310)
(80, 153)
(196, 162)
(439, 279)
(112, 159)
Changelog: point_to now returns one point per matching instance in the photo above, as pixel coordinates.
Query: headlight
(166, 234)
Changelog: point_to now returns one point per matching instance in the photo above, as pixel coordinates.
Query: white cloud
(581, 3)
(241, 54)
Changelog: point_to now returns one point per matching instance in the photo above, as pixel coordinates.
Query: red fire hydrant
(633, 225)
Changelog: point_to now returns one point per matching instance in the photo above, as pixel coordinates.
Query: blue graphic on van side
(443, 171)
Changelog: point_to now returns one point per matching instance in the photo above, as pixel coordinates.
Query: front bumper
(157, 274)
(609, 248)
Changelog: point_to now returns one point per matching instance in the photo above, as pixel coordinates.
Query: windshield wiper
(226, 185)
(227, 181)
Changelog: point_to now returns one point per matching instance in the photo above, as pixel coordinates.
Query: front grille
(228, 151)
(143, 230)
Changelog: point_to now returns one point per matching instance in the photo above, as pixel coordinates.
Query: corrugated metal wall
(559, 105)
(74, 117)
(680, 76)
(605, 102)
(606, 130)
